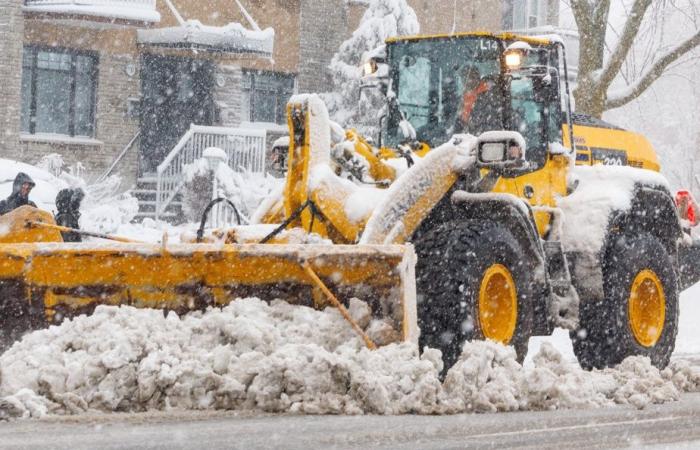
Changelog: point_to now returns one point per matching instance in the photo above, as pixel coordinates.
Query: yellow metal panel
(502, 36)
(545, 184)
(14, 226)
(377, 169)
(639, 151)
(73, 278)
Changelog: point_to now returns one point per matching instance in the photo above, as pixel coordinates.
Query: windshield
(445, 87)
(528, 112)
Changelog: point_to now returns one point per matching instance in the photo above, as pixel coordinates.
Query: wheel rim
(498, 304)
(647, 308)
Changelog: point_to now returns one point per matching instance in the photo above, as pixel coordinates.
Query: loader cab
(461, 84)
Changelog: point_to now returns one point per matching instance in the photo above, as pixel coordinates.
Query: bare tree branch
(629, 32)
(601, 11)
(582, 13)
(651, 75)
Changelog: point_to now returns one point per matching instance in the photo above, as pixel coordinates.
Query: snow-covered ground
(687, 341)
(277, 357)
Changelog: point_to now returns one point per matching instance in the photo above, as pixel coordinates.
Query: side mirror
(501, 150)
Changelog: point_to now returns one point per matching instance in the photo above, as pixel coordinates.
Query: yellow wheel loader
(518, 218)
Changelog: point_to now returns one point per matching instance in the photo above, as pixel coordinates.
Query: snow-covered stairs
(145, 193)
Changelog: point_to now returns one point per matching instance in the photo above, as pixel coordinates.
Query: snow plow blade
(43, 283)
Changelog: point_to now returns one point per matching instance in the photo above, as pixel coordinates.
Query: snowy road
(674, 424)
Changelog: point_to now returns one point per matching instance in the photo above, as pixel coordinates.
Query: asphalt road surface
(672, 425)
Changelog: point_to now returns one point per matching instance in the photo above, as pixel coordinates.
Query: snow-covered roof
(233, 38)
(130, 10)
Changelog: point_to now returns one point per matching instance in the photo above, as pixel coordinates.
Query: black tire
(452, 260)
(605, 336)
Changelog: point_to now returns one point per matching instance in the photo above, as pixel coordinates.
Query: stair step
(174, 203)
(162, 215)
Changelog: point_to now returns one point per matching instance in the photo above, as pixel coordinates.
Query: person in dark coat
(21, 188)
(68, 206)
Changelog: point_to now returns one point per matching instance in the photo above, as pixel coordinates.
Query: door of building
(177, 92)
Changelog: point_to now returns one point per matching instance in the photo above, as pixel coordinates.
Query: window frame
(517, 10)
(94, 78)
(249, 84)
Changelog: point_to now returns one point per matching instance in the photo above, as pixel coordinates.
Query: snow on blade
(407, 190)
(278, 357)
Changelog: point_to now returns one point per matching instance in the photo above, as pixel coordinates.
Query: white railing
(245, 149)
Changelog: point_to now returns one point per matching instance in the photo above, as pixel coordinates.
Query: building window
(58, 91)
(265, 96)
(524, 14)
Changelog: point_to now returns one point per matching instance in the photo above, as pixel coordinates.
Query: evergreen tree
(382, 20)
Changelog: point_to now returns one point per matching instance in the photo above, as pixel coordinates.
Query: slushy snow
(279, 357)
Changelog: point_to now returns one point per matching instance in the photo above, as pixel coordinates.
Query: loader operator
(21, 188)
(474, 89)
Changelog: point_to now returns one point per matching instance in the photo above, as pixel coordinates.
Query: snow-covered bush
(382, 20)
(52, 163)
(246, 190)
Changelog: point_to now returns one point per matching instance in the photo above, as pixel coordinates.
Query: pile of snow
(109, 215)
(278, 357)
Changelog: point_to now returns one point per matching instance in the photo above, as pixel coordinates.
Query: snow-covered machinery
(519, 220)
(43, 281)
(524, 216)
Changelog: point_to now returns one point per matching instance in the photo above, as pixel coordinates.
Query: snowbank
(279, 357)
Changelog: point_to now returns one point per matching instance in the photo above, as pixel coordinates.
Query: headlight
(513, 60)
(370, 67)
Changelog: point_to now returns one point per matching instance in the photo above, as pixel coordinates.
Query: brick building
(114, 84)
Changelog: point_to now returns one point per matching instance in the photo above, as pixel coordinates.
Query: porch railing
(245, 149)
(129, 147)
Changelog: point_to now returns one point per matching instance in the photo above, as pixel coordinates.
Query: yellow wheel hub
(647, 308)
(498, 304)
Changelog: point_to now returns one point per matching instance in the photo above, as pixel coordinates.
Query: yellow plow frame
(43, 283)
